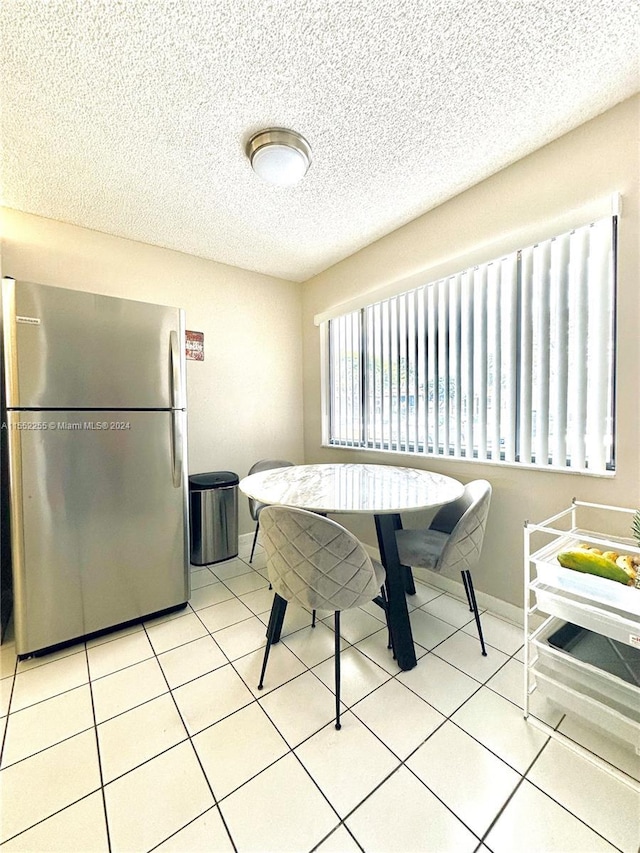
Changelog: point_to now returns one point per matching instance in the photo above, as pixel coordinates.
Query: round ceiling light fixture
(279, 156)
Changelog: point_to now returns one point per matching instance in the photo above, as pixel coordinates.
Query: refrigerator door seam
(17, 530)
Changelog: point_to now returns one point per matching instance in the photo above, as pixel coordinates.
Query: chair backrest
(314, 561)
(264, 465)
(463, 547)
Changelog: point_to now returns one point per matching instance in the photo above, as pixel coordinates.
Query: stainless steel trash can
(213, 516)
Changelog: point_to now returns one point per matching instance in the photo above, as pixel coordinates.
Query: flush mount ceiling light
(279, 156)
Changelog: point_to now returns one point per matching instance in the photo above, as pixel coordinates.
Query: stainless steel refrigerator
(94, 435)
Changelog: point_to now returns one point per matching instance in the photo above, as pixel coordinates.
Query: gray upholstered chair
(453, 541)
(314, 562)
(255, 507)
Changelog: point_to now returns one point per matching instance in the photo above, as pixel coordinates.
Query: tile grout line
(216, 804)
(553, 799)
(6, 725)
(342, 824)
(51, 746)
(95, 729)
(557, 802)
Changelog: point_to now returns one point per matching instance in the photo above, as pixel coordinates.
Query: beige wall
(245, 399)
(597, 159)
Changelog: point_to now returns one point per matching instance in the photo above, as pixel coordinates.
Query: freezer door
(99, 520)
(70, 349)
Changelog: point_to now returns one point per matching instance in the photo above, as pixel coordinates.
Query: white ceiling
(131, 116)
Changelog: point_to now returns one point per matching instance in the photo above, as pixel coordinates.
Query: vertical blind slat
(410, 369)
(390, 370)
(348, 390)
(415, 309)
(597, 346)
(434, 421)
(560, 336)
(402, 370)
(466, 382)
(495, 358)
(355, 384)
(456, 360)
(371, 373)
(509, 356)
(577, 355)
(541, 355)
(481, 362)
(334, 431)
(364, 349)
(343, 375)
(379, 367)
(422, 380)
(443, 369)
(526, 349)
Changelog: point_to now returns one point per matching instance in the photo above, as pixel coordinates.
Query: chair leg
(313, 619)
(264, 662)
(471, 597)
(336, 630)
(276, 618)
(278, 609)
(255, 539)
(466, 590)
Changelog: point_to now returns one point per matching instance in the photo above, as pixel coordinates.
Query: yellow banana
(593, 564)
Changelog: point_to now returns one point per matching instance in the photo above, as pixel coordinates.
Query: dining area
(316, 563)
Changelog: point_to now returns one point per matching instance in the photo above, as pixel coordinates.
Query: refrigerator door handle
(177, 417)
(177, 444)
(176, 378)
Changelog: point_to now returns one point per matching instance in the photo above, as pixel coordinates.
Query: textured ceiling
(131, 116)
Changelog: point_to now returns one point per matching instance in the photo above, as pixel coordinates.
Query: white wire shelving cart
(585, 656)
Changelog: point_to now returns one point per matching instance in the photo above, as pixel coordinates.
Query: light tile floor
(156, 737)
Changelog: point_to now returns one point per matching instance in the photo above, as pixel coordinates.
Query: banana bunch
(623, 568)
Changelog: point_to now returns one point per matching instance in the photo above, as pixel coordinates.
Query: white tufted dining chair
(317, 564)
(255, 507)
(453, 541)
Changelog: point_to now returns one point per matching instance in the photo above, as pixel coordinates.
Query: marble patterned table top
(352, 488)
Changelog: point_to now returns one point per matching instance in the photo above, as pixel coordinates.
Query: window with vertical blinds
(510, 361)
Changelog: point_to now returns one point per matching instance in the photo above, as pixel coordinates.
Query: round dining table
(384, 491)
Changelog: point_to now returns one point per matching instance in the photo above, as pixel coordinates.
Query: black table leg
(386, 526)
(409, 584)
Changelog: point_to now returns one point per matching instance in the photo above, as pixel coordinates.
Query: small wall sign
(195, 345)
